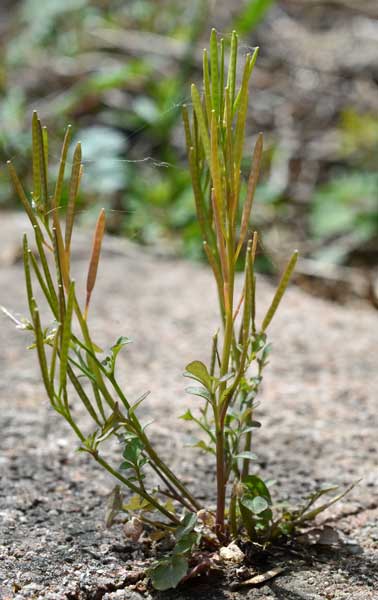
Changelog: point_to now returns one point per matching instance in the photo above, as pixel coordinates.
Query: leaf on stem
(168, 573)
(198, 371)
(247, 455)
(198, 391)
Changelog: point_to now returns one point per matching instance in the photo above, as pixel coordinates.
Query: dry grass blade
(258, 579)
(95, 257)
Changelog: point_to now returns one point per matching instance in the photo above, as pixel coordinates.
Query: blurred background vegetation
(119, 71)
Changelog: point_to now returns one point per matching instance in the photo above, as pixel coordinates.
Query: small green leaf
(197, 105)
(187, 524)
(203, 446)
(198, 391)
(226, 377)
(247, 455)
(186, 542)
(280, 291)
(138, 402)
(251, 426)
(120, 343)
(214, 67)
(132, 453)
(168, 573)
(257, 487)
(197, 370)
(252, 14)
(256, 505)
(231, 76)
(36, 158)
(187, 416)
(138, 503)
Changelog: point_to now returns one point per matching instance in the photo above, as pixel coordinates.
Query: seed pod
(95, 257)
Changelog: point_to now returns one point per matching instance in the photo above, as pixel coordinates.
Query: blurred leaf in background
(251, 14)
(344, 213)
(118, 70)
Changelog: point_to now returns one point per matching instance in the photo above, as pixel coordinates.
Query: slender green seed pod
(221, 78)
(241, 112)
(43, 160)
(21, 194)
(231, 75)
(198, 195)
(280, 291)
(197, 105)
(72, 197)
(95, 257)
(188, 133)
(253, 60)
(251, 188)
(62, 168)
(215, 166)
(206, 86)
(45, 140)
(214, 67)
(36, 159)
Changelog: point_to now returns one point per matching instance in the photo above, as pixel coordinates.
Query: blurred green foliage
(344, 211)
(251, 15)
(117, 71)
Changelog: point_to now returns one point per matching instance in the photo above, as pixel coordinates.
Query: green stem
(135, 489)
(232, 518)
(151, 452)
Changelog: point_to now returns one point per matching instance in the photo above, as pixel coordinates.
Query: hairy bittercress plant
(70, 360)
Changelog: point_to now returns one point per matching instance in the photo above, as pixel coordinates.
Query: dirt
(318, 409)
